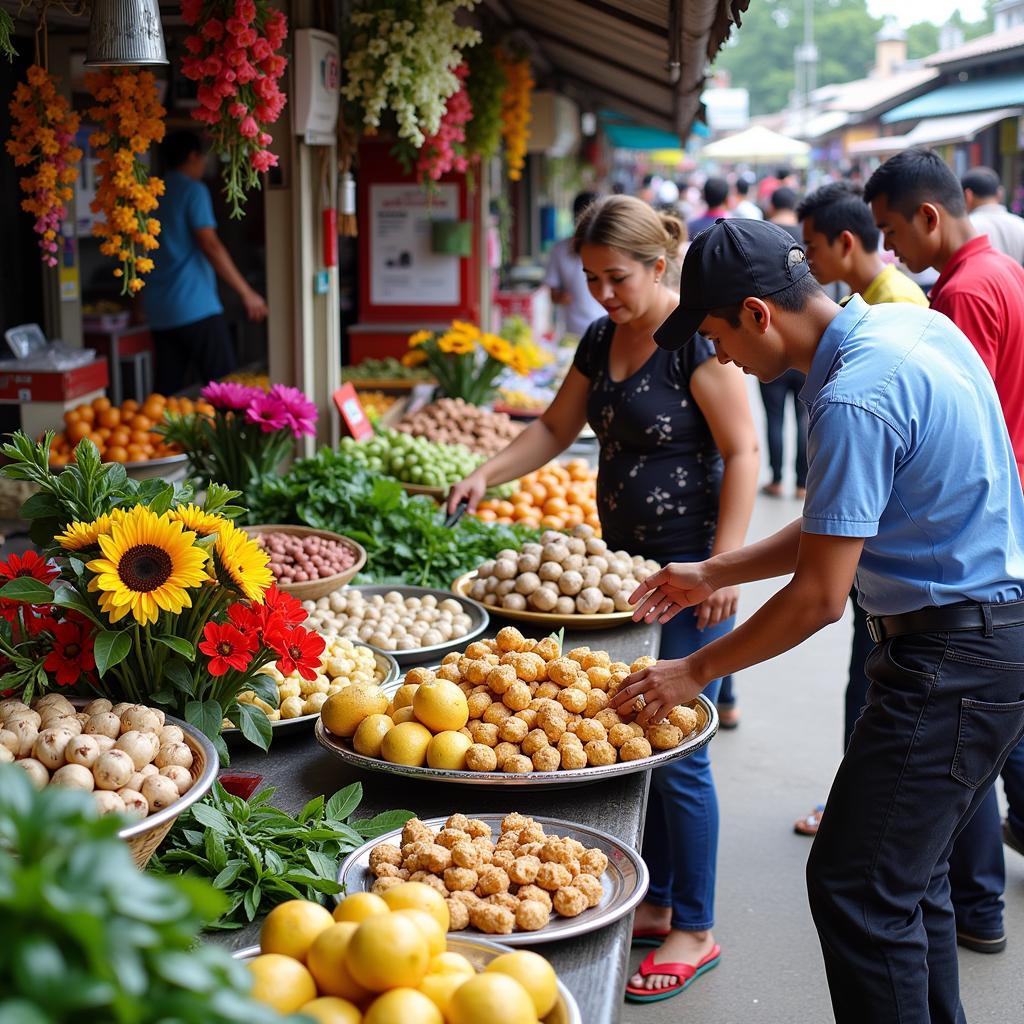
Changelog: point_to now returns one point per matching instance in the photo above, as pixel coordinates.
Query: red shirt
(982, 292)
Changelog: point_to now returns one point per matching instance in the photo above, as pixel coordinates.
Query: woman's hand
(720, 606)
(665, 594)
(663, 686)
(470, 489)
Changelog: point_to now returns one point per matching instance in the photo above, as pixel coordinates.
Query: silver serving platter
(624, 882)
(417, 655)
(699, 738)
(385, 664)
(480, 952)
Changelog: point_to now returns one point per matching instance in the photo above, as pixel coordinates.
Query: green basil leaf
(371, 828)
(177, 674)
(211, 818)
(251, 901)
(178, 645)
(323, 865)
(345, 801)
(162, 502)
(216, 853)
(274, 863)
(206, 716)
(27, 589)
(40, 506)
(111, 648)
(229, 874)
(254, 724)
(312, 809)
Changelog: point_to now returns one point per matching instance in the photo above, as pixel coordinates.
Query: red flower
(290, 610)
(299, 651)
(28, 564)
(72, 652)
(267, 627)
(227, 647)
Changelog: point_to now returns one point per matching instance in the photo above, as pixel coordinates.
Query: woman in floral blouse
(677, 479)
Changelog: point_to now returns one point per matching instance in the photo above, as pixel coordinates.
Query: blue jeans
(943, 712)
(681, 833)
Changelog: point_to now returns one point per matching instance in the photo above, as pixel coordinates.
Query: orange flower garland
(515, 112)
(42, 136)
(130, 120)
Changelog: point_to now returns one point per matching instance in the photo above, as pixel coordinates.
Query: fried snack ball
(503, 751)
(552, 876)
(415, 831)
(590, 887)
(529, 850)
(513, 730)
(476, 671)
(641, 663)
(477, 829)
(497, 712)
(608, 717)
(634, 749)
(465, 855)
(514, 821)
(620, 734)
(415, 852)
(500, 678)
(637, 729)
(600, 752)
(466, 896)
(684, 719)
(664, 736)
(569, 901)
(575, 847)
(484, 847)
(517, 697)
(491, 880)
(547, 759)
(537, 894)
(529, 716)
(524, 870)
(382, 885)
(572, 699)
(520, 764)
(508, 840)
(388, 871)
(491, 919)
(531, 668)
(504, 899)
(385, 853)
(599, 677)
(480, 758)
(591, 729)
(577, 653)
(437, 859)
(432, 881)
(547, 648)
(533, 833)
(546, 691)
(509, 639)
(450, 672)
(449, 837)
(594, 862)
(457, 821)
(531, 915)
(597, 701)
(568, 739)
(416, 676)
(594, 659)
(553, 724)
(503, 859)
(562, 671)
(458, 914)
(460, 879)
(485, 733)
(554, 851)
(574, 758)
(478, 704)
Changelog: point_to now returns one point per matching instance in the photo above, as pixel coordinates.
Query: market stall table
(592, 966)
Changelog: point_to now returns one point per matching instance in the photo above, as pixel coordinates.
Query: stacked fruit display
(385, 960)
(510, 705)
(559, 496)
(454, 421)
(413, 460)
(121, 433)
(389, 369)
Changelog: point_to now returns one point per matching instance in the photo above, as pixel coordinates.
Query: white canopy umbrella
(755, 145)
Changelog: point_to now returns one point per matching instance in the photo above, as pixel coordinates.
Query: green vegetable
(405, 537)
(383, 369)
(412, 459)
(260, 855)
(87, 938)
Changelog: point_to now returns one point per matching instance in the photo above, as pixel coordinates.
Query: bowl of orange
(559, 496)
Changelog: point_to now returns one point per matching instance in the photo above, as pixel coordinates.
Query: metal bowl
(480, 952)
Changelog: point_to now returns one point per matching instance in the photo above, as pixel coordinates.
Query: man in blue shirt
(182, 306)
(912, 487)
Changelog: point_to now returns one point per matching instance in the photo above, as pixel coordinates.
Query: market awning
(644, 58)
(755, 144)
(638, 136)
(961, 98)
(935, 131)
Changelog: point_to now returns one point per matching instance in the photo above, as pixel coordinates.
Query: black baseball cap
(726, 263)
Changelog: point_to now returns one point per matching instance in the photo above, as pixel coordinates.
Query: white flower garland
(403, 58)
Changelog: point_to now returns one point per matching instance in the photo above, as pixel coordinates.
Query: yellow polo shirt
(892, 285)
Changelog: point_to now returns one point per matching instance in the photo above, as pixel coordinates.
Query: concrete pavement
(771, 770)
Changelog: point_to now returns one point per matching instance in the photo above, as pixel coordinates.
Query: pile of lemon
(384, 960)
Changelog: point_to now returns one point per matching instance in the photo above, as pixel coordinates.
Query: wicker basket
(312, 590)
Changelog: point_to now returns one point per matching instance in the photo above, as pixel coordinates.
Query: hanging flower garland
(130, 120)
(516, 112)
(486, 86)
(445, 151)
(235, 58)
(42, 138)
(404, 58)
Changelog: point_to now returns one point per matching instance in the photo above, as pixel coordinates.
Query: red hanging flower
(72, 653)
(300, 652)
(29, 564)
(227, 647)
(285, 605)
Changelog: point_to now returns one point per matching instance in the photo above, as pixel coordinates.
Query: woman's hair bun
(675, 229)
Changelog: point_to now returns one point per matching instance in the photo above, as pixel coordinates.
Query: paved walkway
(775, 767)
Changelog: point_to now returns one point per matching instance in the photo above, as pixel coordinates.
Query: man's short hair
(784, 198)
(742, 186)
(716, 190)
(581, 202)
(838, 207)
(982, 181)
(793, 299)
(179, 146)
(913, 177)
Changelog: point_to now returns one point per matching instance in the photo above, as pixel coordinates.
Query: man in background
(565, 278)
(183, 309)
(716, 191)
(782, 211)
(1005, 230)
(744, 206)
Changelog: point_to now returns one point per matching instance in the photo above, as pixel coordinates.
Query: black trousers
(774, 396)
(200, 349)
(943, 712)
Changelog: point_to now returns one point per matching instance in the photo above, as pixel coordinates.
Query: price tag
(351, 410)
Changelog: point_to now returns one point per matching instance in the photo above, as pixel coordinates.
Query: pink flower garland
(234, 58)
(444, 152)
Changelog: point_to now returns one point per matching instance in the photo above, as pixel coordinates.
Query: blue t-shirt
(907, 448)
(182, 287)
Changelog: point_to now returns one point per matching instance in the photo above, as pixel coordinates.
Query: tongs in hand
(455, 516)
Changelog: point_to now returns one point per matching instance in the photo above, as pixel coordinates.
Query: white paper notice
(404, 270)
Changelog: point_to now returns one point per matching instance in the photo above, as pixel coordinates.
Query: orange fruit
(110, 418)
(140, 437)
(488, 515)
(120, 436)
(403, 1006)
(553, 522)
(86, 412)
(58, 459)
(129, 405)
(534, 973)
(78, 429)
(186, 406)
(555, 506)
(101, 403)
(140, 421)
(504, 508)
(491, 997)
(136, 453)
(115, 453)
(358, 906)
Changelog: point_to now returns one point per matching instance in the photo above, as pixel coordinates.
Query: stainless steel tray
(624, 882)
(480, 952)
(700, 737)
(417, 655)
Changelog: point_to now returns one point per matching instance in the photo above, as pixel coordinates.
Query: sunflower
(148, 564)
(420, 338)
(193, 518)
(241, 564)
(496, 348)
(79, 535)
(414, 357)
(456, 343)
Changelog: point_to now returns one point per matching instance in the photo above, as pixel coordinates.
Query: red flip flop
(685, 975)
(643, 937)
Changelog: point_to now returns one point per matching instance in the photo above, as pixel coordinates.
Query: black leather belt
(951, 618)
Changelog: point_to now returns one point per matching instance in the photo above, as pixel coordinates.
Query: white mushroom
(182, 777)
(82, 750)
(113, 769)
(50, 745)
(565, 605)
(611, 584)
(97, 706)
(505, 568)
(528, 563)
(141, 747)
(171, 734)
(9, 740)
(173, 753)
(591, 576)
(576, 546)
(574, 563)
(26, 731)
(108, 802)
(35, 770)
(6, 755)
(142, 718)
(74, 776)
(622, 601)
(607, 606)
(56, 701)
(544, 598)
(106, 723)
(596, 546)
(505, 587)
(160, 792)
(555, 552)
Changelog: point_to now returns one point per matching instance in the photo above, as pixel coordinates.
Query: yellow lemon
(435, 935)
(359, 906)
(328, 1010)
(441, 705)
(534, 973)
(448, 750)
(417, 896)
(343, 711)
(404, 695)
(281, 982)
(328, 966)
(406, 744)
(451, 963)
(291, 927)
(439, 989)
(370, 735)
(405, 714)
(388, 952)
(403, 1006)
(494, 998)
